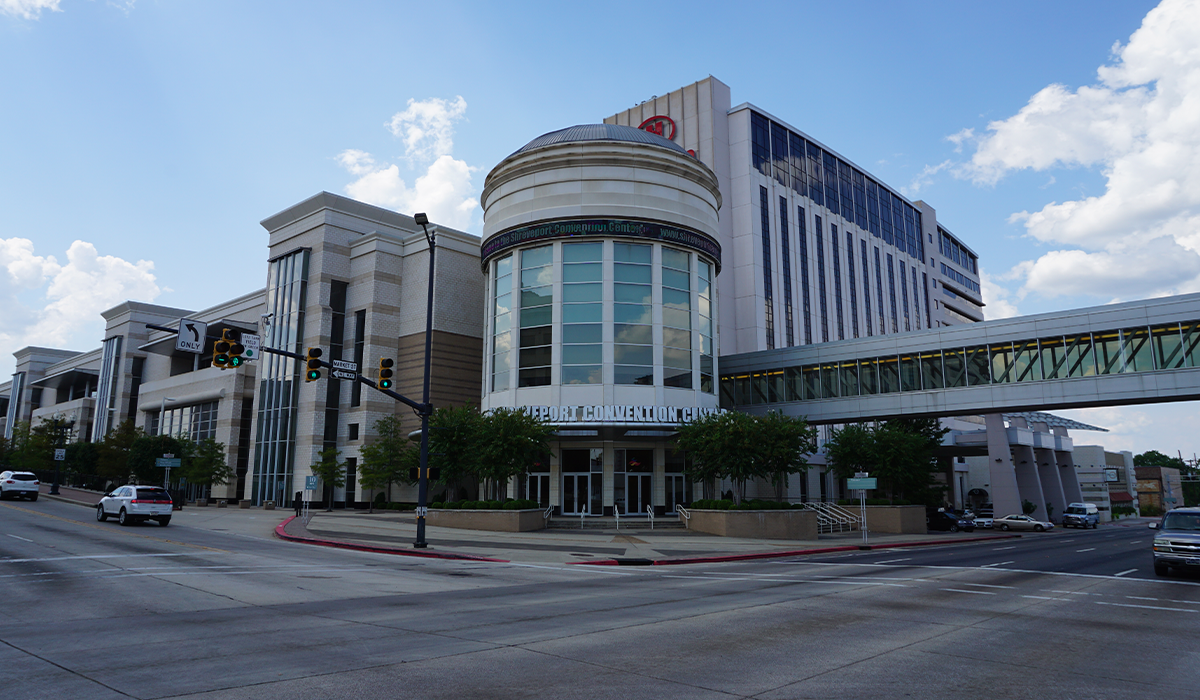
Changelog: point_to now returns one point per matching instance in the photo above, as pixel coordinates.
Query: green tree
(332, 473)
(781, 446)
(112, 452)
(901, 453)
(509, 441)
(205, 464)
(1154, 458)
(143, 452)
(383, 461)
(740, 447)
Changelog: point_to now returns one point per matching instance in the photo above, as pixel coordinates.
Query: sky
(141, 141)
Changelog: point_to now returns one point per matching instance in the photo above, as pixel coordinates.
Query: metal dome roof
(599, 132)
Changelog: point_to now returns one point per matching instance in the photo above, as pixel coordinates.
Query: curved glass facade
(601, 312)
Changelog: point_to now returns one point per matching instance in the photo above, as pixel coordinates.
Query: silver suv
(1177, 543)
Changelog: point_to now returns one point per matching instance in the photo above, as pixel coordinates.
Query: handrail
(831, 516)
(617, 514)
(549, 512)
(650, 512)
(684, 512)
(581, 514)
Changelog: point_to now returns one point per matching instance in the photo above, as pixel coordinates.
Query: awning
(1119, 497)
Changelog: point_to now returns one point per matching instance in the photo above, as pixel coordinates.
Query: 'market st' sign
(619, 415)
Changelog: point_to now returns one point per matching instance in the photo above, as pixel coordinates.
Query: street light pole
(426, 409)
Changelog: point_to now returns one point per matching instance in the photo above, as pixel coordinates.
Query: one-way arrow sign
(342, 374)
(191, 335)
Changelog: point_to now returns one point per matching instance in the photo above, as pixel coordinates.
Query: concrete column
(1052, 486)
(1028, 481)
(1006, 496)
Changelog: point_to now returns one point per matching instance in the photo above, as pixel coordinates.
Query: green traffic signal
(235, 361)
(313, 375)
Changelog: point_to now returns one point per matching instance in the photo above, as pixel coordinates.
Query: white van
(1081, 515)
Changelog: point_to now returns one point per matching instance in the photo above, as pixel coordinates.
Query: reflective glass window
(978, 363)
(910, 373)
(1139, 355)
(1081, 360)
(889, 375)
(1026, 364)
(1168, 346)
(1002, 364)
(954, 364)
(931, 370)
(1108, 352)
(868, 377)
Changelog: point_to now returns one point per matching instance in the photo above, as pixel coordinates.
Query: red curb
(283, 535)
(792, 553)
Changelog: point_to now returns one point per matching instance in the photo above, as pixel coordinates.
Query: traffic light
(434, 473)
(221, 348)
(385, 372)
(235, 354)
(313, 365)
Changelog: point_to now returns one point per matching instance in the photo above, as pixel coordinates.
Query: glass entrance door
(633, 481)
(679, 491)
(538, 489)
(638, 490)
(575, 494)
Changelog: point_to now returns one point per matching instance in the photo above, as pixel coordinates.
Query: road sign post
(863, 482)
(167, 461)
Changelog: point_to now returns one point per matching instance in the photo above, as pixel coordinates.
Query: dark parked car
(942, 520)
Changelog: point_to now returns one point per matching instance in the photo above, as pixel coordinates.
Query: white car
(984, 521)
(134, 504)
(18, 485)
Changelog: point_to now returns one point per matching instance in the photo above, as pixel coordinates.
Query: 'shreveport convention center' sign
(619, 415)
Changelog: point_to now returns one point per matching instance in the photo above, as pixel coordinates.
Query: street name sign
(191, 335)
(169, 462)
(862, 484)
(344, 365)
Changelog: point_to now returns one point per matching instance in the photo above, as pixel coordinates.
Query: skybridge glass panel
(776, 386)
(955, 366)
(795, 384)
(1081, 359)
(812, 382)
(742, 389)
(758, 387)
(1168, 346)
(1026, 367)
(910, 373)
(889, 375)
(848, 371)
(868, 376)
(1139, 354)
(1108, 352)
(1054, 358)
(979, 365)
(1002, 362)
(1190, 332)
(931, 370)
(829, 381)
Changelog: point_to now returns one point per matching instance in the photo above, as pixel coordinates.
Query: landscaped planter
(756, 524)
(491, 520)
(906, 520)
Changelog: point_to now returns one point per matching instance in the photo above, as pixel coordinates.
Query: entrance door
(638, 491)
(635, 486)
(678, 491)
(575, 494)
(538, 489)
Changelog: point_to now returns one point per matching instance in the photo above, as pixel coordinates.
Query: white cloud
(923, 178)
(28, 9)
(995, 298)
(961, 137)
(427, 126)
(444, 191)
(1140, 125)
(71, 296)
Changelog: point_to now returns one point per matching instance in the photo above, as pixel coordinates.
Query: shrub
(437, 504)
(1151, 512)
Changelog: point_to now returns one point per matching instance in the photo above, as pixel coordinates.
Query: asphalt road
(94, 610)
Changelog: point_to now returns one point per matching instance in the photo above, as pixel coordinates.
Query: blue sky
(142, 142)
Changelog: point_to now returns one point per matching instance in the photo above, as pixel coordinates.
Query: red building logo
(663, 126)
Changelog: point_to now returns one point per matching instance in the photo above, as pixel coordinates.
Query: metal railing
(684, 512)
(549, 512)
(650, 512)
(833, 518)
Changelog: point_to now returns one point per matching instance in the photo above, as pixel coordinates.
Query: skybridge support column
(1006, 496)
(1066, 468)
(1052, 487)
(1028, 481)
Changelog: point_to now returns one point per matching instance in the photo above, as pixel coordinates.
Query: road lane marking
(1128, 571)
(999, 563)
(1043, 597)
(19, 537)
(983, 585)
(893, 561)
(1134, 542)
(1089, 549)
(92, 556)
(1001, 549)
(106, 528)
(1140, 597)
(960, 590)
(1145, 607)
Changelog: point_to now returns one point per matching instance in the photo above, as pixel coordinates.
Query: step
(608, 523)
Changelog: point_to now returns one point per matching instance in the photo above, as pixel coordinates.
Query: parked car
(944, 521)
(18, 485)
(1022, 522)
(134, 504)
(1082, 515)
(983, 522)
(1177, 542)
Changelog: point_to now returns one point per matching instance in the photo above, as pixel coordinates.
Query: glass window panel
(677, 338)
(776, 390)
(536, 257)
(1168, 346)
(758, 388)
(1139, 356)
(501, 343)
(889, 375)
(642, 335)
(581, 354)
(702, 287)
(812, 382)
(706, 345)
(535, 357)
(794, 382)
(675, 258)
(623, 374)
(588, 272)
(728, 392)
(502, 324)
(633, 354)
(931, 370)
(1108, 352)
(631, 252)
(1190, 330)
(677, 298)
(848, 371)
(677, 378)
(706, 383)
(582, 292)
(978, 366)
(635, 293)
(536, 317)
(582, 252)
(677, 318)
(1026, 367)
(706, 364)
(504, 303)
(500, 362)
(677, 279)
(632, 313)
(868, 377)
(954, 363)
(1001, 356)
(532, 337)
(1081, 360)
(500, 381)
(742, 389)
(537, 277)
(504, 266)
(829, 381)
(639, 274)
(1054, 358)
(705, 326)
(582, 313)
(581, 374)
(680, 359)
(910, 373)
(534, 377)
(705, 307)
(583, 333)
(538, 296)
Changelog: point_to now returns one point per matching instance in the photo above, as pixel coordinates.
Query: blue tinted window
(873, 207)
(760, 143)
(816, 180)
(779, 154)
(847, 193)
(799, 165)
(866, 278)
(829, 168)
(785, 234)
(819, 238)
(768, 295)
(837, 281)
(853, 287)
(803, 238)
